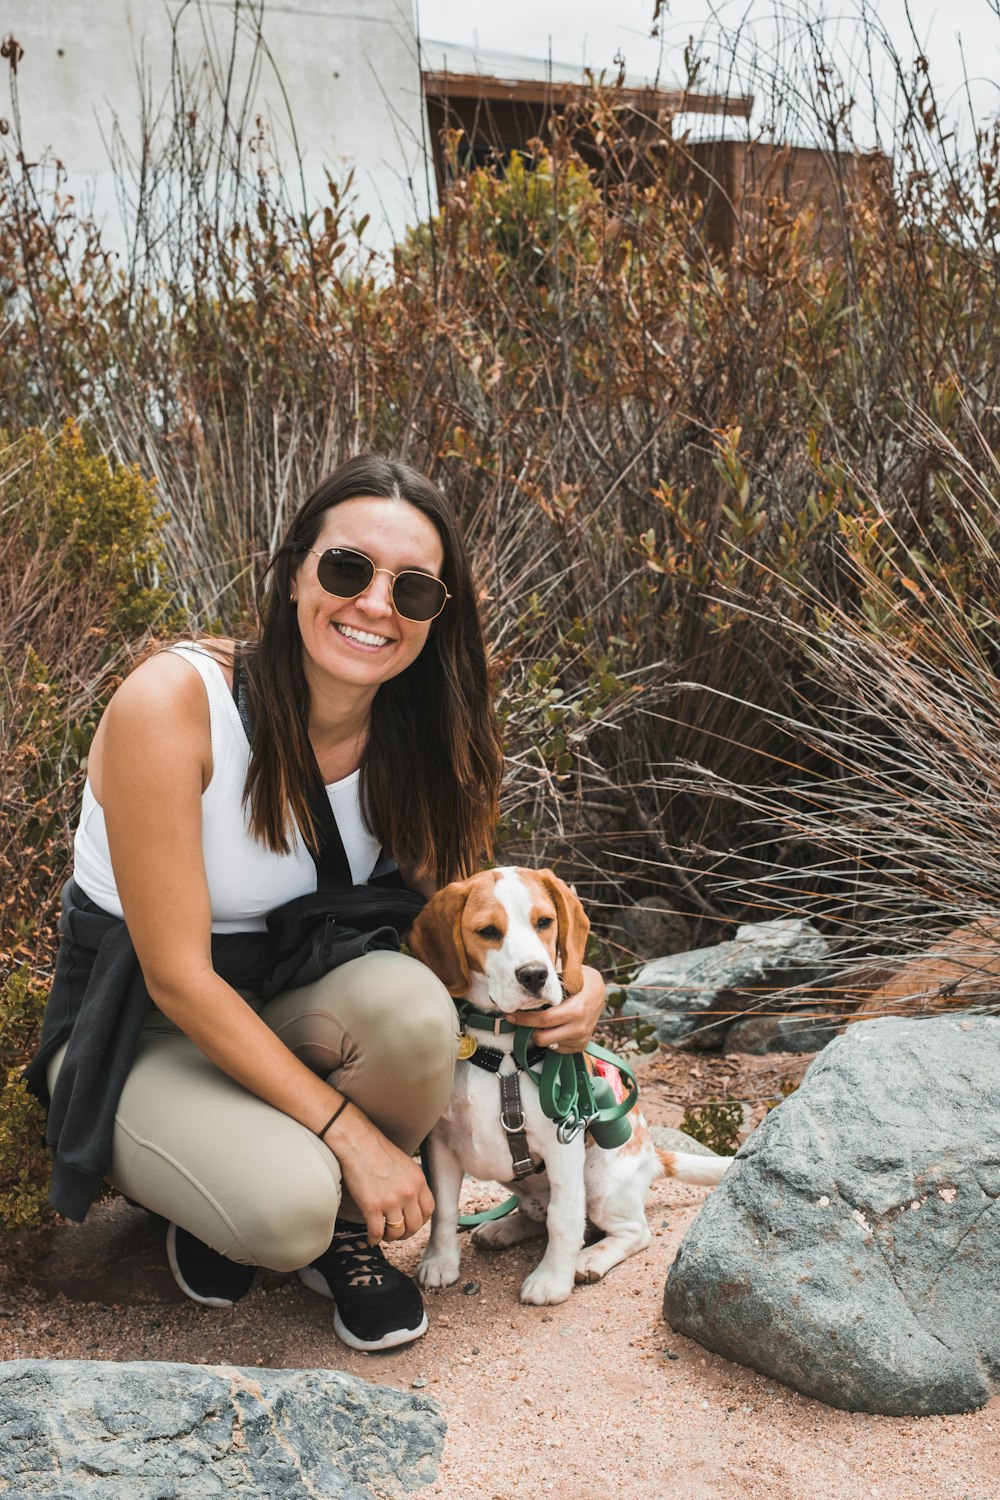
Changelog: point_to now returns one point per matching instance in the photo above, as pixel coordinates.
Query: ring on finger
(395, 1223)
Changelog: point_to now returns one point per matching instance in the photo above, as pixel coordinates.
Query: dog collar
(479, 1020)
(483, 1020)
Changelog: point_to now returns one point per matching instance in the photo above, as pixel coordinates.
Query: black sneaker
(203, 1274)
(377, 1306)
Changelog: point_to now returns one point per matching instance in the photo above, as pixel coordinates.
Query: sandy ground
(571, 1402)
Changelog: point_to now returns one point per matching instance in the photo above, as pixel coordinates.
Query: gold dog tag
(466, 1046)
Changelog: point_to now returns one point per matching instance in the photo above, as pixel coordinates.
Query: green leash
(570, 1095)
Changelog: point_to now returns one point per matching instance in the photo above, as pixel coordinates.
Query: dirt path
(571, 1402)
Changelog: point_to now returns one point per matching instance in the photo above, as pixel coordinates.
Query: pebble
(419, 1383)
(471, 1289)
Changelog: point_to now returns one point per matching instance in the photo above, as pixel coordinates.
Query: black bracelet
(335, 1116)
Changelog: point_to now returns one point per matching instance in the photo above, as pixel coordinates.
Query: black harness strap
(512, 1120)
(333, 869)
(490, 1058)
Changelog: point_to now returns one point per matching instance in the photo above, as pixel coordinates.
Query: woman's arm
(155, 761)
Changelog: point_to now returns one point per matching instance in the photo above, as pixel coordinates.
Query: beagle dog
(513, 940)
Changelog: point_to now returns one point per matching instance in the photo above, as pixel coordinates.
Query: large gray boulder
(853, 1249)
(158, 1431)
(687, 996)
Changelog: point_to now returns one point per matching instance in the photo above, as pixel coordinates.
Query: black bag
(338, 921)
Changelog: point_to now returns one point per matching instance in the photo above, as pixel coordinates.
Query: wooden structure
(499, 104)
(736, 180)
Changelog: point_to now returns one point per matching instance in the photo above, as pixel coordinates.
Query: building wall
(735, 181)
(349, 69)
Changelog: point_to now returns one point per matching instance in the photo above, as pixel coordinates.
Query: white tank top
(246, 880)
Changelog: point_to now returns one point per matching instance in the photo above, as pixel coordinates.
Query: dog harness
(570, 1095)
(511, 1107)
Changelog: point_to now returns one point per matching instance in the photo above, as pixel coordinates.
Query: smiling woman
(275, 1124)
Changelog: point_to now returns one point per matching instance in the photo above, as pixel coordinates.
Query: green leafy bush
(716, 1124)
(626, 1033)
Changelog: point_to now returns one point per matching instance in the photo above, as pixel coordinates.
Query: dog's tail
(701, 1171)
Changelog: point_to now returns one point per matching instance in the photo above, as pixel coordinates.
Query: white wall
(349, 68)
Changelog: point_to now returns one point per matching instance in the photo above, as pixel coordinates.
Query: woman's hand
(386, 1184)
(567, 1027)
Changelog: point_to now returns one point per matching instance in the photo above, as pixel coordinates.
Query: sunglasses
(346, 574)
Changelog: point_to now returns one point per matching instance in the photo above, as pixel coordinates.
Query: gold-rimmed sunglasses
(346, 574)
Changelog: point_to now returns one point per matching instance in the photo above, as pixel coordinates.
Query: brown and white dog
(500, 940)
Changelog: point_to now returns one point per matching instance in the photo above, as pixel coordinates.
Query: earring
(292, 599)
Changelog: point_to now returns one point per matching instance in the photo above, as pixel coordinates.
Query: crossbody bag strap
(333, 868)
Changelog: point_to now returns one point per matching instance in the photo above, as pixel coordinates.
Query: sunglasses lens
(344, 573)
(418, 596)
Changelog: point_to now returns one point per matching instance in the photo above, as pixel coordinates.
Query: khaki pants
(194, 1146)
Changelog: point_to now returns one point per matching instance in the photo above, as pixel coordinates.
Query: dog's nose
(531, 977)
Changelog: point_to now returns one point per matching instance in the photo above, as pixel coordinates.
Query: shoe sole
(179, 1278)
(317, 1282)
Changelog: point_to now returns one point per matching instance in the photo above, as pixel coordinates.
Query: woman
(280, 1133)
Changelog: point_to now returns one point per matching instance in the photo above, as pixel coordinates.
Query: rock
(665, 1139)
(799, 1031)
(853, 1249)
(652, 926)
(690, 997)
(960, 971)
(69, 1429)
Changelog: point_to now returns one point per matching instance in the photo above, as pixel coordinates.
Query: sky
(961, 39)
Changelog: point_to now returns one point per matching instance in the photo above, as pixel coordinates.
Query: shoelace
(368, 1260)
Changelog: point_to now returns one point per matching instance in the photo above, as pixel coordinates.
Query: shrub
(717, 1124)
(80, 585)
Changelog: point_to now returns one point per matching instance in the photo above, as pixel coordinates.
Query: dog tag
(466, 1046)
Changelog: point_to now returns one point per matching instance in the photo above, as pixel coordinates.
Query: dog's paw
(438, 1270)
(591, 1263)
(495, 1236)
(544, 1288)
(498, 1234)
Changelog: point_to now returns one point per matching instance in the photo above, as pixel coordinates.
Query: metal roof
(440, 61)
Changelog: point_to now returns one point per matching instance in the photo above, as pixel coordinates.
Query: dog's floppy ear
(436, 937)
(574, 925)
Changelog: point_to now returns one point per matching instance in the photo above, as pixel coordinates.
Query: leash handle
(567, 1092)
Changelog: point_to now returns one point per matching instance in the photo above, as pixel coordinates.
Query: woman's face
(363, 641)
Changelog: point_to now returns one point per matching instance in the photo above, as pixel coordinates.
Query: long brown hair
(430, 775)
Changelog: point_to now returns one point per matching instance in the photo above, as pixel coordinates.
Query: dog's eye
(489, 931)
(542, 923)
